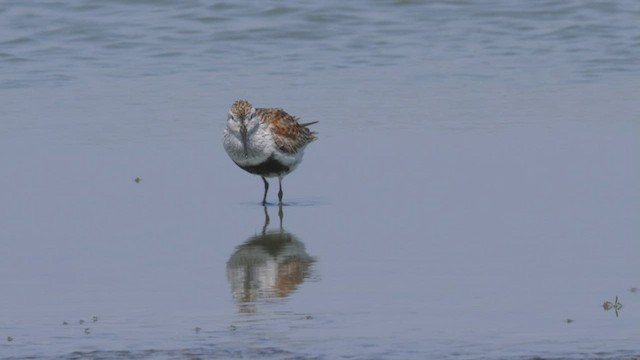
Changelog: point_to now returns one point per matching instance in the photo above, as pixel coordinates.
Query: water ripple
(192, 35)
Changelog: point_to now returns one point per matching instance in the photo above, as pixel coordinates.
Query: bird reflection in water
(268, 265)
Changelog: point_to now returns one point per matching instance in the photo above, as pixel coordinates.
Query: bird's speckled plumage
(288, 134)
(242, 108)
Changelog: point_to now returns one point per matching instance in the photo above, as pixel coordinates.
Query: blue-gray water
(473, 192)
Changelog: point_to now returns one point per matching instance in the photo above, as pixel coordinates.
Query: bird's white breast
(260, 146)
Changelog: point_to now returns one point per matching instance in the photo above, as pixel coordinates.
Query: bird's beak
(243, 133)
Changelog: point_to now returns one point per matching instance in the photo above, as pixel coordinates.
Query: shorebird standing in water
(265, 142)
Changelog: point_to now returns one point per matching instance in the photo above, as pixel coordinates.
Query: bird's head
(242, 120)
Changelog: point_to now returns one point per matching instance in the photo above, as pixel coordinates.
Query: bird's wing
(289, 135)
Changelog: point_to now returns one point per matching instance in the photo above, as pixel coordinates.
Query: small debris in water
(87, 331)
(634, 290)
(137, 179)
(65, 323)
(81, 322)
(569, 321)
(309, 317)
(197, 329)
(9, 339)
(232, 327)
(616, 306)
(94, 319)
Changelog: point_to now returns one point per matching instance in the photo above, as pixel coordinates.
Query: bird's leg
(266, 221)
(280, 215)
(266, 188)
(280, 192)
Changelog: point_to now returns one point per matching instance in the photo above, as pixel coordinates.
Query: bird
(267, 142)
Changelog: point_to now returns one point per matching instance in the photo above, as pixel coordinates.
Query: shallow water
(473, 192)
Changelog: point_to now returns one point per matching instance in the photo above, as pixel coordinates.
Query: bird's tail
(308, 123)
